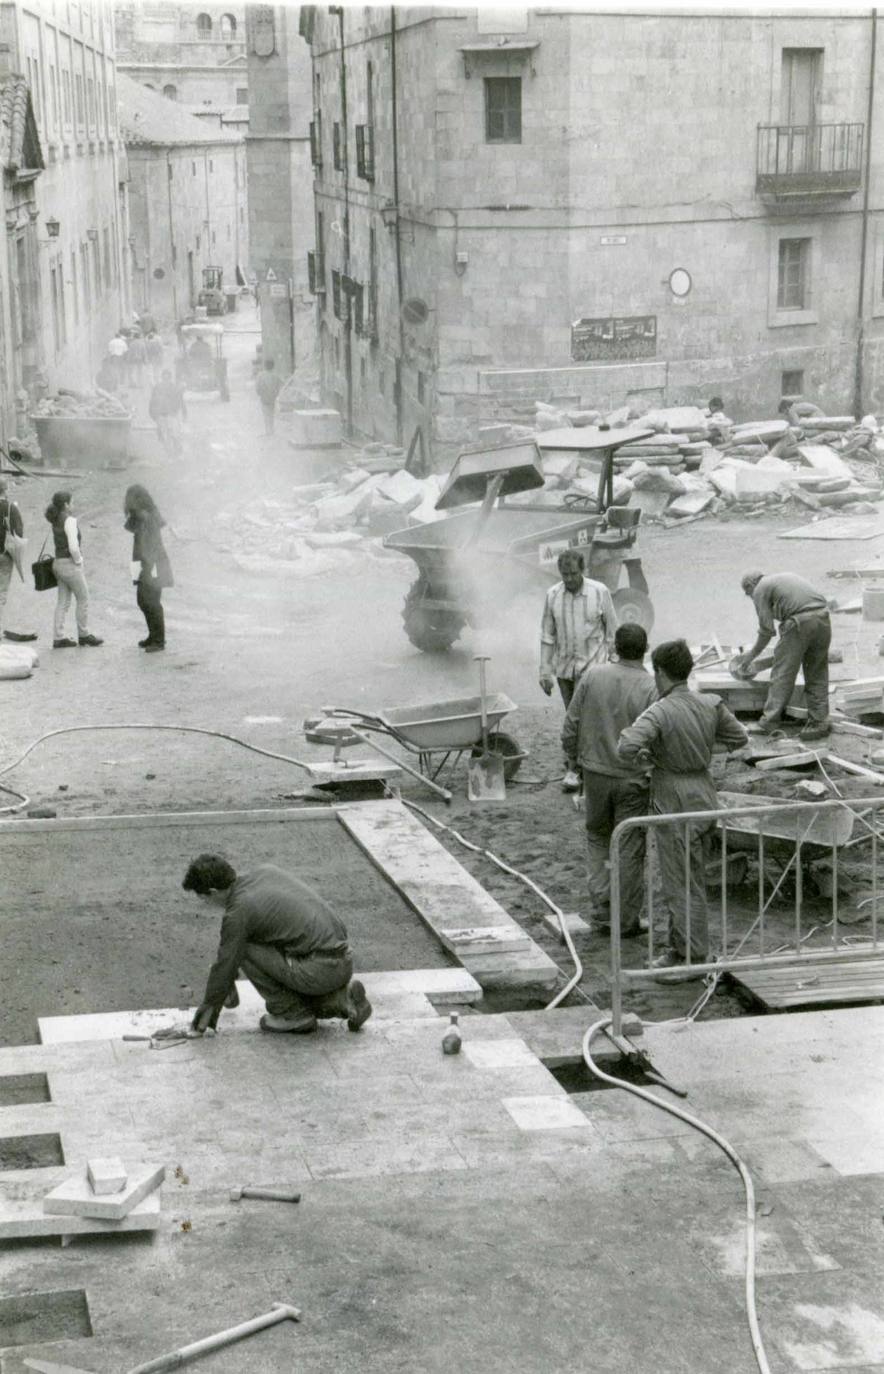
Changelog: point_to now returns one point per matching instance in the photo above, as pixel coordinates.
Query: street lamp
(52, 228)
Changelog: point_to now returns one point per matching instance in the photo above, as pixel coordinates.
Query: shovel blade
(485, 778)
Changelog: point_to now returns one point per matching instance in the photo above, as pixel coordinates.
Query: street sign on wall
(617, 338)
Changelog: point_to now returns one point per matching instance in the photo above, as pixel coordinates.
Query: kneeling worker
(288, 943)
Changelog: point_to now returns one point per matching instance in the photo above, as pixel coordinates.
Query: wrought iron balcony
(808, 160)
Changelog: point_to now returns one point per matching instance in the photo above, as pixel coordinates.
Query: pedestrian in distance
(68, 568)
(804, 639)
(288, 942)
(153, 346)
(151, 569)
(136, 359)
(167, 409)
(608, 698)
(11, 528)
(268, 386)
(676, 736)
(116, 351)
(576, 631)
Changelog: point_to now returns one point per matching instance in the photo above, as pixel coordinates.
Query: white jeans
(71, 582)
(6, 566)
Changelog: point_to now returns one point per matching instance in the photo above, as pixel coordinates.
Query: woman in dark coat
(154, 570)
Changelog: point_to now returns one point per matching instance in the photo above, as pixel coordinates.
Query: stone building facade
(281, 183)
(188, 201)
(65, 200)
(595, 207)
(192, 53)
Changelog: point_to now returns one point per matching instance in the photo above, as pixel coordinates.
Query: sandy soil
(251, 654)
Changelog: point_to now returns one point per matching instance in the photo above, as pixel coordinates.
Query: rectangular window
(793, 286)
(56, 323)
(421, 388)
(503, 109)
(792, 384)
(62, 316)
(84, 274)
(53, 92)
(96, 266)
(79, 98)
(242, 95)
(337, 147)
(108, 276)
(337, 306)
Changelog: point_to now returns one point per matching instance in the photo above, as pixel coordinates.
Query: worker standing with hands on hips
(577, 630)
(805, 636)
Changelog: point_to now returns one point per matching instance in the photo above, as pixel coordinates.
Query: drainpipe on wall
(345, 159)
(398, 237)
(859, 374)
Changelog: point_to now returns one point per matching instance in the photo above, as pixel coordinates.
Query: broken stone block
(692, 503)
(316, 429)
(106, 1175)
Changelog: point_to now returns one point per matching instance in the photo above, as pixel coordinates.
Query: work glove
(206, 1017)
(547, 682)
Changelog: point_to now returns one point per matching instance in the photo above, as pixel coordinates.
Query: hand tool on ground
(743, 672)
(266, 1194)
(280, 1312)
(373, 744)
(485, 779)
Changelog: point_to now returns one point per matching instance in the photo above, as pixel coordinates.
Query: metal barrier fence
(741, 934)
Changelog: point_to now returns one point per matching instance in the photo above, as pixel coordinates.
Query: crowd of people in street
(638, 745)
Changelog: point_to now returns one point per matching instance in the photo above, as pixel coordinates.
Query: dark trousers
(566, 687)
(803, 643)
(149, 597)
(292, 985)
(608, 801)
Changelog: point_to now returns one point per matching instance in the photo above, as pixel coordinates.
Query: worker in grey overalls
(805, 636)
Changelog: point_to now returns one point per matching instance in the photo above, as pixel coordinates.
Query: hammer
(266, 1194)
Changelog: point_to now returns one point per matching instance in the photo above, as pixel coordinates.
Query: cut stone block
(484, 940)
(24, 1218)
(106, 1175)
(316, 429)
(75, 1198)
(577, 928)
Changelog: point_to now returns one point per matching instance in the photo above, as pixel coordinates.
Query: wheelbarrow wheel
(506, 746)
(430, 630)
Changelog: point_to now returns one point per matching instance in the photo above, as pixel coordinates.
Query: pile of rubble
(695, 463)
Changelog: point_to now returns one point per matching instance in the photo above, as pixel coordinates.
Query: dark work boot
(294, 1022)
(360, 1007)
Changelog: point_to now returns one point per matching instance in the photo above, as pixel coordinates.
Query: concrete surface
(466, 1212)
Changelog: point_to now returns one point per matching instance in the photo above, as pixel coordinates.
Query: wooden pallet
(781, 989)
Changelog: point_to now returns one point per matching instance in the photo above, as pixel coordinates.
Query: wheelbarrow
(439, 733)
(514, 547)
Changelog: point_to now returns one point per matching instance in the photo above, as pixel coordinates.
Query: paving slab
(75, 1196)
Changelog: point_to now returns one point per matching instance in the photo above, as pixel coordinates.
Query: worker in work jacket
(677, 735)
(805, 636)
(288, 943)
(608, 698)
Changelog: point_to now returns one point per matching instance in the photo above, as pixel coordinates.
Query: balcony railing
(809, 159)
(316, 273)
(316, 140)
(365, 151)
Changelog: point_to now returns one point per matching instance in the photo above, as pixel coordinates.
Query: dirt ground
(251, 653)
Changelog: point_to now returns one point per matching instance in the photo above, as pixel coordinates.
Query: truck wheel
(431, 631)
(507, 747)
(634, 608)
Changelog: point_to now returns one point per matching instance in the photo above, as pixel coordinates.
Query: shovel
(485, 778)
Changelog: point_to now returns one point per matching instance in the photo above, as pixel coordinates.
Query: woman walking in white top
(68, 568)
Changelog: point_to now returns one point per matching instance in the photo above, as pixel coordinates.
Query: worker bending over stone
(288, 943)
(676, 735)
(805, 636)
(577, 630)
(607, 699)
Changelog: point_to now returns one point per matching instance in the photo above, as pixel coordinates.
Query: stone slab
(483, 940)
(353, 771)
(75, 1197)
(106, 1175)
(448, 986)
(498, 1054)
(545, 1114)
(577, 928)
(442, 892)
(24, 1218)
(556, 1037)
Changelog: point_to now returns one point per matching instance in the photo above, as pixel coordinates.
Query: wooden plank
(803, 759)
(802, 985)
(442, 892)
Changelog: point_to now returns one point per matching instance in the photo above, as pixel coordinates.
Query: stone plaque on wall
(616, 339)
(263, 24)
